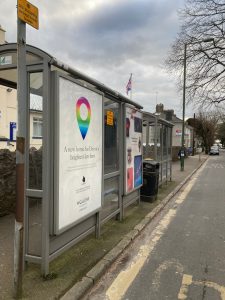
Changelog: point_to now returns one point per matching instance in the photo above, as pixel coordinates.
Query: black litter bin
(149, 190)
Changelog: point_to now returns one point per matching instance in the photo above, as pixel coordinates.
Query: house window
(37, 127)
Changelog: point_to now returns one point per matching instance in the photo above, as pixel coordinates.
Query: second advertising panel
(133, 147)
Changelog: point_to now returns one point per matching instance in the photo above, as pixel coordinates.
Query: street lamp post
(182, 152)
(193, 136)
(183, 119)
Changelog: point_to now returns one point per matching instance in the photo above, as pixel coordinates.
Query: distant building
(8, 114)
(2, 36)
(169, 115)
(8, 117)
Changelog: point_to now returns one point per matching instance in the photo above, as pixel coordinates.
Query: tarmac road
(181, 255)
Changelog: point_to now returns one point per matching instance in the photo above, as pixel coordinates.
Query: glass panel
(152, 135)
(111, 156)
(151, 144)
(168, 170)
(164, 142)
(144, 139)
(164, 170)
(34, 226)
(169, 142)
(8, 118)
(31, 58)
(9, 75)
(8, 58)
(111, 196)
(35, 126)
(159, 139)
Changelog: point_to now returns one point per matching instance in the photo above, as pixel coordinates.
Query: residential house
(170, 116)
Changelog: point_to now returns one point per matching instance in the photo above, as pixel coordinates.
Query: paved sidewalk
(6, 256)
(190, 164)
(81, 259)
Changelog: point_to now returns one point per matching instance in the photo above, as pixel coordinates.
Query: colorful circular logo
(83, 123)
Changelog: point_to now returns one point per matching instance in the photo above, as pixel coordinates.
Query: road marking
(186, 191)
(125, 278)
(215, 286)
(173, 263)
(215, 166)
(186, 281)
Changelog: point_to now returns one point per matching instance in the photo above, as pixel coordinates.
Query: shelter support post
(20, 159)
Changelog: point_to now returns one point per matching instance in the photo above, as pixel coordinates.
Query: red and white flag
(129, 84)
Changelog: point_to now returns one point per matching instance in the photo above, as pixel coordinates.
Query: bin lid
(151, 162)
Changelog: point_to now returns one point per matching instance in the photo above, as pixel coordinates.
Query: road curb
(81, 287)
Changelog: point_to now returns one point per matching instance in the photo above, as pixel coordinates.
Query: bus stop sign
(28, 13)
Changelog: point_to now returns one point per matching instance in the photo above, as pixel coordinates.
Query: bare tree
(205, 127)
(201, 20)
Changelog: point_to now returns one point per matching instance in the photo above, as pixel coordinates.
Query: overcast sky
(108, 40)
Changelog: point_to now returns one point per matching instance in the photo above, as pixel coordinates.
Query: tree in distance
(205, 127)
(203, 32)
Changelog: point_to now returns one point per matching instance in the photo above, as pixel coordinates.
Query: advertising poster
(79, 153)
(133, 153)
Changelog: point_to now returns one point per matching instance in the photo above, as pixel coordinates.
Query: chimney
(2, 36)
(169, 114)
(159, 108)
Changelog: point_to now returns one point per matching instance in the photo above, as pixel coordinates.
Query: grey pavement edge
(82, 287)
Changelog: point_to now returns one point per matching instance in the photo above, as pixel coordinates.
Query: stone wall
(8, 177)
(7, 181)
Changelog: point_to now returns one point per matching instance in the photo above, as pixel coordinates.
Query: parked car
(214, 150)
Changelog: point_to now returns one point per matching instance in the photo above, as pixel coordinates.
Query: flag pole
(131, 79)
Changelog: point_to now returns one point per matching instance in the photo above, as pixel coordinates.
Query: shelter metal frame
(41, 244)
(157, 145)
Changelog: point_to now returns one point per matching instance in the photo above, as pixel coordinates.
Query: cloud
(115, 32)
(108, 40)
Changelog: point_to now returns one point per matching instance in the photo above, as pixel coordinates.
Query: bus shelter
(157, 144)
(86, 167)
